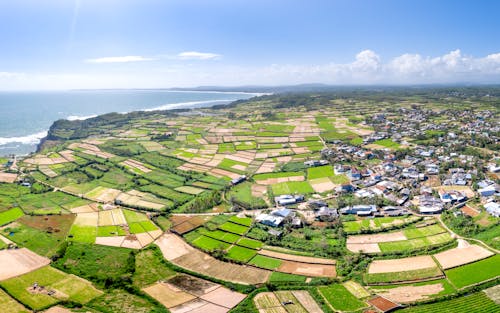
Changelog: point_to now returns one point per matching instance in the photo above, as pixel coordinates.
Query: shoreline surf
(34, 139)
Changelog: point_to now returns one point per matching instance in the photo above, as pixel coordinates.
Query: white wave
(79, 118)
(169, 106)
(32, 139)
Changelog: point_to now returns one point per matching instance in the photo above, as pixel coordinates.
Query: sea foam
(32, 139)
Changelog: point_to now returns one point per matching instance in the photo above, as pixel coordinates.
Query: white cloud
(366, 68)
(122, 59)
(194, 55)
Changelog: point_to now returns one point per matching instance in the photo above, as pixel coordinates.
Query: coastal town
(301, 202)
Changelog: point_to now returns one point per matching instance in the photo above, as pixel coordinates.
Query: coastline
(32, 143)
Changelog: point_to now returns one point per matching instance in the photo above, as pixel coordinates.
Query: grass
(79, 233)
(491, 236)
(249, 243)
(234, 228)
(340, 298)
(108, 231)
(319, 172)
(403, 276)
(142, 227)
(36, 240)
(265, 262)
(411, 233)
(226, 147)
(149, 268)
(245, 221)
(477, 302)
(415, 244)
(240, 254)
(292, 187)
(100, 264)
(219, 235)
(277, 277)
(475, 272)
(276, 175)
(387, 143)
(10, 305)
(242, 194)
(190, 190)
(119, 301)
(10, 216)
(77, 289)
(227, 164)
(447, 287)
(134, 217)
(209, 244)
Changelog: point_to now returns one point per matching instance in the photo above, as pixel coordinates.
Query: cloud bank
(369, 68)
(194, 55)
(122, 59)
(366, 68)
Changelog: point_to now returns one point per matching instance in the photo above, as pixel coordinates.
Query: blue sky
(151, 43)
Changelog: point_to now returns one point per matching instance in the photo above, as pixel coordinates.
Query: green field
(319, 172)
(340, 298)
(11, 215)
(76, 289)
(229, 165)
(234, 228)
(387, 143)
(108, 231)
(120, 301)
(477, 302)
(277, 277)
(292, 187)
(435, 229)
(276, 175)
(242, 195)
(190, 190)
(142, 227)
(249, 243)
(240, 254)
(34, 239)
(150, 267)
(219, 235)
(265, 262)
(403, 276)
(415, 244)
(79, 233)
(475, 272)
(245, 221)
(10, 305)
(209, 244)
(100, 264)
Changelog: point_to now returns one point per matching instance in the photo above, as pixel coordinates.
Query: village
(387, 207)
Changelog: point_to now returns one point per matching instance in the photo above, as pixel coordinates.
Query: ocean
(25, 117)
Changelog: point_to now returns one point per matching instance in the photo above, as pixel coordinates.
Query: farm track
(465, 238)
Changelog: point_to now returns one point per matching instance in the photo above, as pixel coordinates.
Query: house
(487, 191)
(316, 204)
(326, 214)
(275, 233)
(452, 196)
(493, 208)
(345, 188)
(429, 205)
(288, 199)
(238, 180)
(313, 163)
(296, 222)
(284, 213)
(269, 220)
(362, 209)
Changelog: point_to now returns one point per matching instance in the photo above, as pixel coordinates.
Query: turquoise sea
(25, 117)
